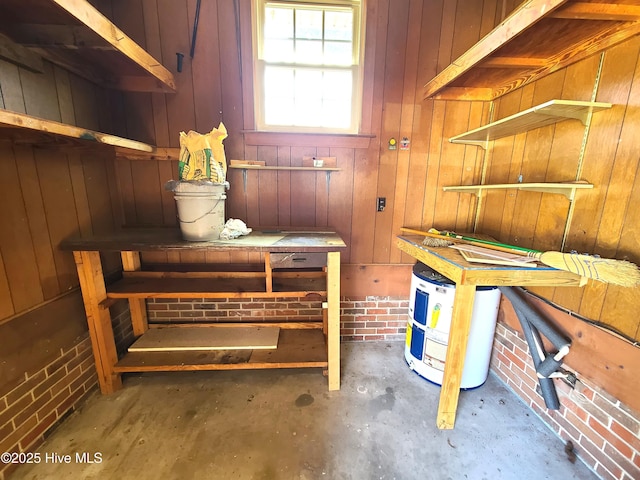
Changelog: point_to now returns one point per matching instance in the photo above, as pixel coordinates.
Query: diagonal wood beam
(19, 55)
(93, 19)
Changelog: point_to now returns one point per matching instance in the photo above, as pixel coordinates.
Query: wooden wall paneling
(65, 96)
(498, 160)
(35, 216)
(60, 210)
(158, 115)
(490, 9)
(231, 78)
(627, 298)
(366, 167)
(85, 103)
(175, 37)
(407, 118)
(240, 195)
(39, 90)
(513, 167)
(322, 189)
(147, 194)
(125, 186)
(625, 162)
(11, 88)
(284, 186)
(370, 19)
(421, 132)
(615, 83)
(79, 189)
(471, 171)
(6, 303)
(268, 187)
(303, 194)
(468, 22)
(447, 32)
(396, 46)
(244, 11)
(340, 214)
(433, 164)
(206, 65)
(16, 243)
(456, 119)
(158, 100)
(534, 166)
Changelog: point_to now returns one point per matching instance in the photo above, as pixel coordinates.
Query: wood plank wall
(408, 41)
(47, 193)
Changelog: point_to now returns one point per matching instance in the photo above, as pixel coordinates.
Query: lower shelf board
(296, 349)
(199, 339)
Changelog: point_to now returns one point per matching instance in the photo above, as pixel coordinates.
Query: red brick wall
(366, 318)
(605, 433)
(46, 396)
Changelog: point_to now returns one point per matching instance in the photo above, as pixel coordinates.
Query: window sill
(361, 140)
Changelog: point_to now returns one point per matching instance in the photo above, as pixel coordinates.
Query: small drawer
(298, 260)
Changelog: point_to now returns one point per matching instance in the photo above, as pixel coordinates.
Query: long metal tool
(195, 30)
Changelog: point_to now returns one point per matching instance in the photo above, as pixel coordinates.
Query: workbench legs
(94, 293)
(333, 319)
(456, 352)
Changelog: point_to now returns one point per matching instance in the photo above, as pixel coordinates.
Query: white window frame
(356, 67)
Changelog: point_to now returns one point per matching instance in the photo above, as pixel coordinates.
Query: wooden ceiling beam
(598, 11)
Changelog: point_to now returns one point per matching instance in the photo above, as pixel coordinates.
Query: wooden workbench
(467, 276)
(295, 264)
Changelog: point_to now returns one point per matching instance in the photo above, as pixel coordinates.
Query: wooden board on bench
(197, 338)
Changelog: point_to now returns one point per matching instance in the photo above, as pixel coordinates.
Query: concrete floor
(285, 424)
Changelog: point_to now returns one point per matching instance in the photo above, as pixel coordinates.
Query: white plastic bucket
(200, 210)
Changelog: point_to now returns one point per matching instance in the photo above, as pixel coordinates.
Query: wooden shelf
(567, 189)
(266, 167)
(77, 37)
(23, 127)
(537, 38)
(239, 287)
(297, 348)
(541, 115)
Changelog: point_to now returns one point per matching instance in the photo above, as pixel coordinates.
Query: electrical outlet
(382, 202)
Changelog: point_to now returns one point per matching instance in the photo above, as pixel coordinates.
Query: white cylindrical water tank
(430, 311)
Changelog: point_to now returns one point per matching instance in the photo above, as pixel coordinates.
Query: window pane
(338, 53)
(338, 26)
(336, 114)
(279, 111)
(309, 51)
(278, 82)
(308, 84)
(278, 22)
(337, 85)
(278, 50)
(309, 24)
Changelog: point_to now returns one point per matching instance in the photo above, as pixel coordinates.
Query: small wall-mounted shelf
(541, 115)
(567, 189)
(267, 167)
(251, 165)
(39, 130)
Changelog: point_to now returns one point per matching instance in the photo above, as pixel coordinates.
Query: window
(308, 66)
